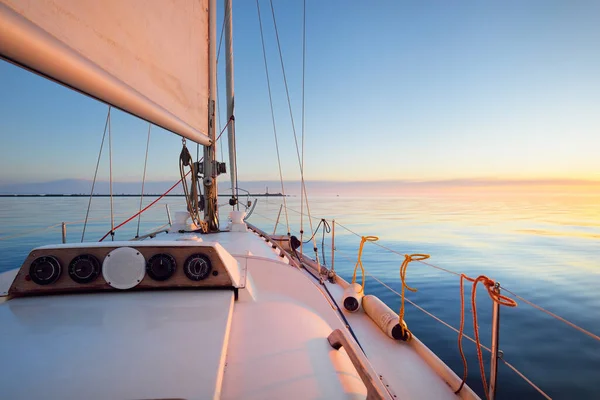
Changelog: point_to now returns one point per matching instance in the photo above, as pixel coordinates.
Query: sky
(394, 90)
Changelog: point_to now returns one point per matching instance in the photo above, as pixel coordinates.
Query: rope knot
(487, 282)
(408, 258)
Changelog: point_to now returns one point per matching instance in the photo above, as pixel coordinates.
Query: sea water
(543, 247)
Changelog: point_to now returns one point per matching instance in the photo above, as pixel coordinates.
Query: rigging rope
(302, 155)
(273, 117)
(218, 108)
(143, 181)
(359, 263)
(237, 192)
(191, 198)
(112, 214)
(300, 162)
(221, 34)
(95, 174)
(145, 208)
(234, 192)
(496, 297)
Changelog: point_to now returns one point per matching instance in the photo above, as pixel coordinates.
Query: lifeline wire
(45, 228)
(112, 215)
(561, 319)
(302, 155)
(540, 391)
(400, 254)
(540, 308)
(273, 116)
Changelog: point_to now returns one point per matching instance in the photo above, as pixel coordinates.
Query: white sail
(149, 58)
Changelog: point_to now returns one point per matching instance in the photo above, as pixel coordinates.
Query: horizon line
(441, 182)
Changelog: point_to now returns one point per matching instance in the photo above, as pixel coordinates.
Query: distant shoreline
(132, 195)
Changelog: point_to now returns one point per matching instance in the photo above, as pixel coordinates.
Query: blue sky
(427, 90)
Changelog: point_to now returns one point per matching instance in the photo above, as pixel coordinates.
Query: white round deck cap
(124, 268)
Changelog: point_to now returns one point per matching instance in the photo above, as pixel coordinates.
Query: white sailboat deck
(269, 343)
(410, 370)
(131, 345)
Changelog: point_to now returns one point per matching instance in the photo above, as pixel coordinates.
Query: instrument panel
(63, 269)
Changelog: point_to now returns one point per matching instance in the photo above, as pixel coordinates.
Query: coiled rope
(194, 205)
(359, 263)
(496, 297)
(406, 333)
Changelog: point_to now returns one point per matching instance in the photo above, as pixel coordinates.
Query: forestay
(149, 58)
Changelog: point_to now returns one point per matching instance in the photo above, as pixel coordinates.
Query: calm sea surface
(545, 248)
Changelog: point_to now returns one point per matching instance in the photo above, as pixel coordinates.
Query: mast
(230, 100)
(211, 213)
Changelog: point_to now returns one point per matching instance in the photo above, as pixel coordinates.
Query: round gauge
(161, 267)
(84, 268)
(44, 270)
(197, 267)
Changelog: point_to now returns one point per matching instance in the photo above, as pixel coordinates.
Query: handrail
(282, 252)
(153, 233)
(375, 390)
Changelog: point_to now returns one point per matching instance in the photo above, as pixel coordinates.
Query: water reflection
(542, 247)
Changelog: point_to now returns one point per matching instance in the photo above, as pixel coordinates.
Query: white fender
(383, 316)
(352, 298)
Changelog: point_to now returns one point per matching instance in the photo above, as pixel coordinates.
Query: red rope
(164, 194)
(225, 127)
(496, 297)
(145, 208)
